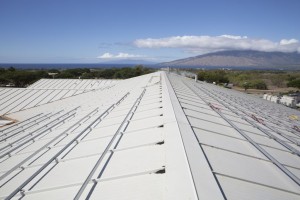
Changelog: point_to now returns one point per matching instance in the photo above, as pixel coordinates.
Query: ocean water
(65, 65)
(99, 66)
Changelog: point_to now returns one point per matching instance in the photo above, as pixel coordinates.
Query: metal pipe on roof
(13, 134)
(289, 147)
(13, 91)
(12, 98)
(121, 129)
(269, 117)
(276, 131)
(33, 138)
(17, 124)
(47, 117)
(47, 145)
(269, 156)
(11, 195)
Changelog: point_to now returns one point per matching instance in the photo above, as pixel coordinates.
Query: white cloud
(106, 56)
(286, 42)
(119, 56)
(204, 44)
(234, 37)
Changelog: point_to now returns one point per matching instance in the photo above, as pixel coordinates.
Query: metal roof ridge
(203, 179)
(179, 180)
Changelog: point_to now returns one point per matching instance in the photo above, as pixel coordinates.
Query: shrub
(294, 83)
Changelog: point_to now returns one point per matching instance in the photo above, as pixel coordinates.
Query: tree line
(22, 78)
(252, 79)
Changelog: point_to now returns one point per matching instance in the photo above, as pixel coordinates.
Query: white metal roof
(46, 91)
(79, 84)
(157, 136)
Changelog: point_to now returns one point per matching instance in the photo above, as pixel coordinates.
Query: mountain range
(240, 58)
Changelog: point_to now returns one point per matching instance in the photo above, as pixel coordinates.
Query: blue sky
(90, 31)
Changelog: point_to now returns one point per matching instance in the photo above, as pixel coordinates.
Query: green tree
(258, 84)
(87, 75)
(294, 83)
(106, 73)
(22, 78)
(11, 69)
(66, 74)
(54, 71)
(138, 70)
(246, 86)
(201, 75)
(218, 76)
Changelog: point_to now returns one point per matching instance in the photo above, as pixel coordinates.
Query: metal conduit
(43, 82)
(121, 129)
(18, 124)
(19, 97)
(66, 132)
(269, 156)
(271, 128)
(47, 117)
(267, 117)
(22, 101)
(5, 92)
(55, 96)
(36, 122)
(279, 132)
(10, 145)
(272, 118)
(29, 103)
(4, 101)
(33, 138)
(289, 147)
(46, 90)
(10, 196)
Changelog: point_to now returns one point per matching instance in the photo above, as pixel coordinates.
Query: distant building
(291, 100)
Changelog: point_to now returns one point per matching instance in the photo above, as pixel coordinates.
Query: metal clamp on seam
(214, 107)
(122, 132)
(259, 120)
(22, 191)
(296, 128)
(94, 180)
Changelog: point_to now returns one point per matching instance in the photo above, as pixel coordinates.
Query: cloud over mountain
(205, 44)
(120, 55)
